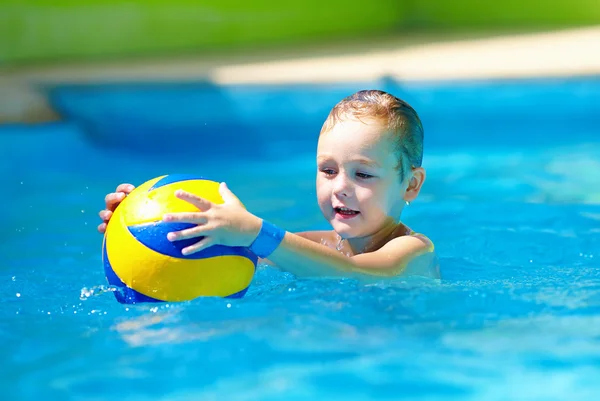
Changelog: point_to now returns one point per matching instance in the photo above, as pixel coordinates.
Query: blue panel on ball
(123, 294)
(238, 294)
(128, 295)
(110, 274)
(154, 236)
(171, 178)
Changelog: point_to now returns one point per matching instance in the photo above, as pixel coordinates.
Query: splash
(95, 291)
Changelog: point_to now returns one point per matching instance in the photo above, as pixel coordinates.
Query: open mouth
(345, 212)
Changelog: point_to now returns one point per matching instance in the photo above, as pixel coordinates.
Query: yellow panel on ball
(155, 198)
(148, 267)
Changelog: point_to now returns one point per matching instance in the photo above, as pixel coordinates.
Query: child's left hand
(227, 224)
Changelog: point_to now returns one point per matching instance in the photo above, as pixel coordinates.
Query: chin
(344, 230)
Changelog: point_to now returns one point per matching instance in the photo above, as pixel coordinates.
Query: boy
(368, 168)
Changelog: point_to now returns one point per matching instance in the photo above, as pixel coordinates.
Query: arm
(304, 257)
(314, 236)
(230, 224)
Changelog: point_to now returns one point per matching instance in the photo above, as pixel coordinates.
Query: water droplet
(18, 295)
(82, 211)
(340, 244)
(14, 278)
(229, 305)
(86, 293)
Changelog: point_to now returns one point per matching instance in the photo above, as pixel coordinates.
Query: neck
(376, 240)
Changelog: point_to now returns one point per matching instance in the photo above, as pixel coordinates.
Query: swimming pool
(512, 202)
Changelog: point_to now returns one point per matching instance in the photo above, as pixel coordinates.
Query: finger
(126, 188)
(198, 246)
(102, 228)
(105, 215)
(193, 232)
(227, 195)
(195, 200)
(112, 200)
(186, 217)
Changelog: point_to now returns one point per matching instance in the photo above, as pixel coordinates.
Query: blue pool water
(512, 201)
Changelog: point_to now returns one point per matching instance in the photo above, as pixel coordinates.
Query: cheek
(366, 195)
(391, 198)
(323, 192)
(376, 196)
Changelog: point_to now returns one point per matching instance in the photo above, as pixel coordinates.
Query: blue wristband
(268, 239)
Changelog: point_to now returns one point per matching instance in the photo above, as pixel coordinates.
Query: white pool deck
(574, 52)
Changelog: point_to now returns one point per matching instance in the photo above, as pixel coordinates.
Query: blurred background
(46, 44)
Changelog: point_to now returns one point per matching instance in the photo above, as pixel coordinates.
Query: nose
(342, 185)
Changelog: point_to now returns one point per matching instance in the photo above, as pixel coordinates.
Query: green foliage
(39, 30)
(43, 30)
(506, 14)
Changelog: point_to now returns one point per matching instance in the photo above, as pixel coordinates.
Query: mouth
(345, 213)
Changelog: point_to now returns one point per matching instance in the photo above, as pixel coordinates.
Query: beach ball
(146, 267)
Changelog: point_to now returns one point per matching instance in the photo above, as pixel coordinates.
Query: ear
(415, 182)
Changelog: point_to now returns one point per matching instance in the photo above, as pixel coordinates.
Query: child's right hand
(112, 200)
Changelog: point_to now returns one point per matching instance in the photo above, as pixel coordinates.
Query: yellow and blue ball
(147, 267)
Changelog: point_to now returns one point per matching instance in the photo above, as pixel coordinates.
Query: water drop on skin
(340, 244)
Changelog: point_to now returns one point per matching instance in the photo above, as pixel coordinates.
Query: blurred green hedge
(42, 30)
(511, 14)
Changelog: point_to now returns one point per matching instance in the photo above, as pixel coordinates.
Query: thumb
(227, 195)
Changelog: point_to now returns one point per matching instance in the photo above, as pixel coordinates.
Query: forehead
(353, 137)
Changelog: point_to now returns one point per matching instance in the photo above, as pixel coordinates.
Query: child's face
(358, 187)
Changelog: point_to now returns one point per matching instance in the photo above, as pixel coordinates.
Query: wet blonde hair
(397, 116)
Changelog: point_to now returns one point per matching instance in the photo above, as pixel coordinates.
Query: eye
(364, 176)
(327, 171)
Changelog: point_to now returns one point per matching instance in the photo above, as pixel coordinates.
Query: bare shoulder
(417, 242)
(422, 259)
(405, 255)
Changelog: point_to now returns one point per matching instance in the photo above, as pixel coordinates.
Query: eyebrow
(367, 162)
(361, 160)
